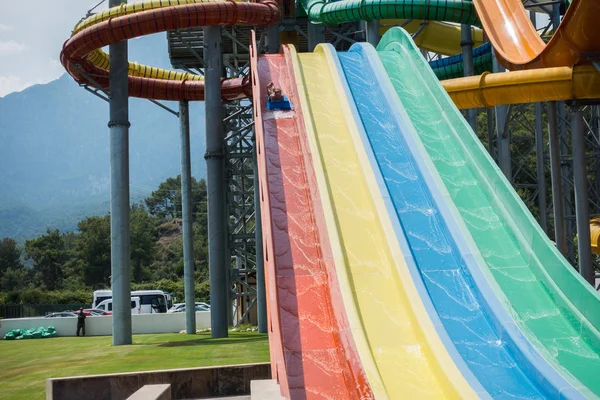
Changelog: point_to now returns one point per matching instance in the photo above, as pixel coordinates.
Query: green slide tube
(333, 13)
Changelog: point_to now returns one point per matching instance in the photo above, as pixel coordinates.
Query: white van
(152, 301)
(136, 305)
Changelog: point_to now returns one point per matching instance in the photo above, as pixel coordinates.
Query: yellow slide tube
(536, 85)
(125, 9)
(409, 358)
(437, 37)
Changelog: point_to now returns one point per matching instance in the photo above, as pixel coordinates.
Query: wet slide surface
(549, 301)
(393, 319)
(448, 281)
(307, 321)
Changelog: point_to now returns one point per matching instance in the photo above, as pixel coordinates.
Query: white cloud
(5, 28)
(11, 83)
(11, 47)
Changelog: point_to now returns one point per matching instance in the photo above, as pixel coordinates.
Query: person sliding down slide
(276, 99)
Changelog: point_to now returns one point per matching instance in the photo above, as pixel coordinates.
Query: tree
(14, 279)
(92, 247)
(10, 255)
(165, 202)
(142, 240)
(49, 253)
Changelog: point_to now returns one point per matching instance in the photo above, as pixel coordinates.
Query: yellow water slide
(437, 37)
(403, 356)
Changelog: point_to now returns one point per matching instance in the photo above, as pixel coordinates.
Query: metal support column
(467, 51)
(556, 175)
(186, 213)
(261, 293)
(490, 132)
(539, 154)
(219, 263)
(272, 39)
(372, 31)
(541, 176)
(586, 269)
(119, 191)
(316, 35)
(502, 131)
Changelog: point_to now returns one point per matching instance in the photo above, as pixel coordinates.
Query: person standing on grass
(81, 322)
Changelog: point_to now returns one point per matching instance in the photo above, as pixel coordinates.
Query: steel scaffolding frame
(523, 137)
(186, 49)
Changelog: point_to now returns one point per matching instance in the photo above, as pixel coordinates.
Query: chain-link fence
(36, 310)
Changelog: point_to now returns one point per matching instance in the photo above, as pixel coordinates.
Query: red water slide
(75, 50)
(312, 350)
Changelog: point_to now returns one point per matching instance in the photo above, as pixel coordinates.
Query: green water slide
(556, 309)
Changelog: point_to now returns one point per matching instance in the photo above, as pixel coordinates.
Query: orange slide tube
(547, 84)
(518, 46)
(75, 50)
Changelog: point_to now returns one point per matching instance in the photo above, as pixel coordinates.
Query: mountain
(54, 150)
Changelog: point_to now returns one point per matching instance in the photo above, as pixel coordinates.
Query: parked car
(62, 314)
(199, 307)
(96, 312)
(177, 307)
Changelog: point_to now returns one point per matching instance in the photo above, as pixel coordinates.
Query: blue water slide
(478, 333)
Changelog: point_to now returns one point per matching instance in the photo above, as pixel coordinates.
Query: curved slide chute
(518, 45)
(80, 45)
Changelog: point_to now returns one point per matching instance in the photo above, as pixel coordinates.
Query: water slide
(310, 339)
(435, 36)
(518, 45)
(409, 358)
(557, 311)
(355, 309)
(442, 263)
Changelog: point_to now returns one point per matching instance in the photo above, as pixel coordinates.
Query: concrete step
(265, 389)
(152, 392)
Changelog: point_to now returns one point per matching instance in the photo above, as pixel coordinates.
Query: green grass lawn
(25, 364)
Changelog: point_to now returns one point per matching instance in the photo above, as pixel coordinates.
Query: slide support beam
(372, 32)
(261, 292)
(502, 131)
(218, 259)
(316, 35)
(186, 214)
(273, 39)
(541, 176)
(556, 177)
(119, 190)
(466, 44)
(586, 268)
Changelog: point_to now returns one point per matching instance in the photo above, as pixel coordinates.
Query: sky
(31, 36)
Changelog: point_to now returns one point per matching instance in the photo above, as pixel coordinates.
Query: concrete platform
(186, 383)
(265, 389)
